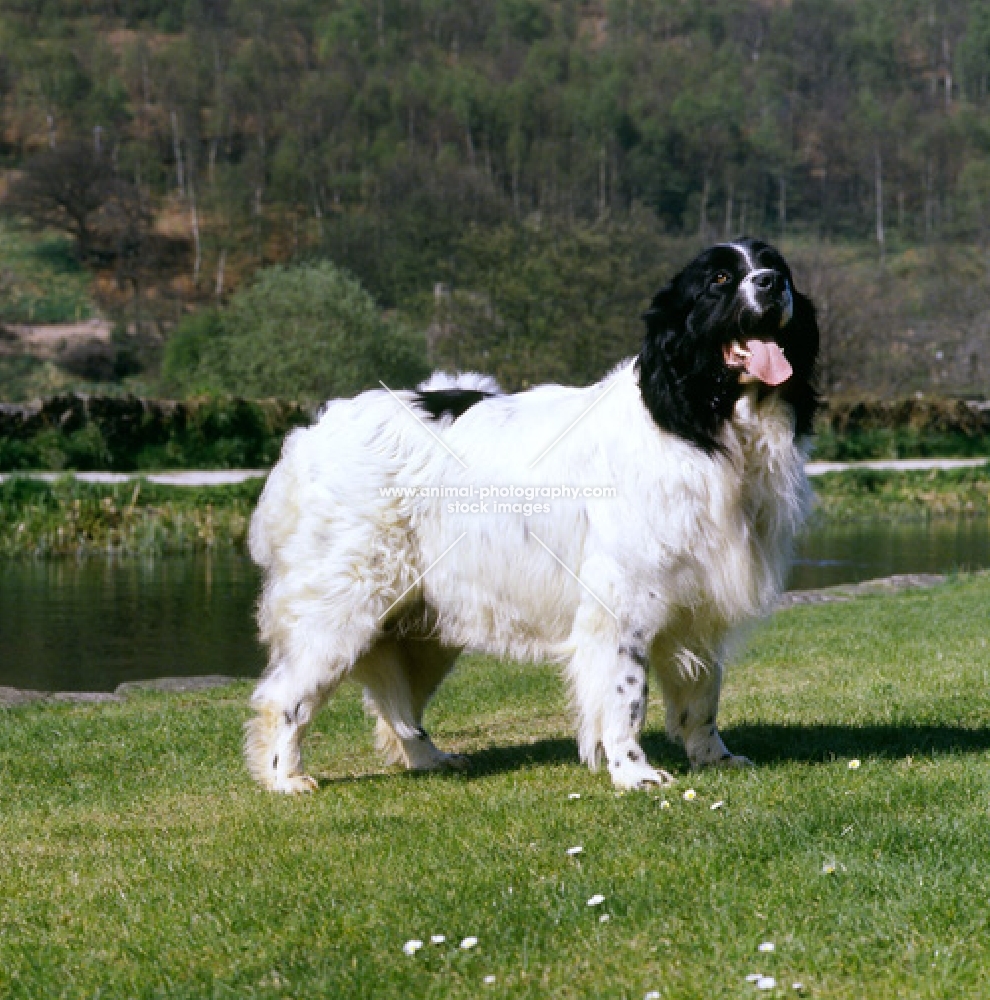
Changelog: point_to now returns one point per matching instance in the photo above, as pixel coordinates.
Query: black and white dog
(635, 524)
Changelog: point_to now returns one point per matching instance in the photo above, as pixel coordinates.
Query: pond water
(88, 626)
(67, 626)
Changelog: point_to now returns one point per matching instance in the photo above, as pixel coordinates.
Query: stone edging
(9, 697)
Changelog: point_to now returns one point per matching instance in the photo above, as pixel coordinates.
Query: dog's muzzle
(765, 294)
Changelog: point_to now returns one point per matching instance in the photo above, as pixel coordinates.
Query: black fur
(451, 403)
(686, 384)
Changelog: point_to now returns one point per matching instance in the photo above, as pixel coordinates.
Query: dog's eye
(721, 278)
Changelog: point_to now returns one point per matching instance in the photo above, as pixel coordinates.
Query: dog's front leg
(611, 692)
(624, 716)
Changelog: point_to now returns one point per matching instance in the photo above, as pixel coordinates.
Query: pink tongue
(767, 362)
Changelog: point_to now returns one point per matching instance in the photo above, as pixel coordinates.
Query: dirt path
(48, 340)
(896, 465)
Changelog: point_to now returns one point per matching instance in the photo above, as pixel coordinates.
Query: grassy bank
(864, 494)
(139, 861)
(72, 518)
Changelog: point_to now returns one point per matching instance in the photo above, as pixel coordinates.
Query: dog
(632, 526)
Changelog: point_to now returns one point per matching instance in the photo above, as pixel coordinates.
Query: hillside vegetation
(515, 177)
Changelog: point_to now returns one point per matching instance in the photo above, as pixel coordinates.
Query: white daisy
(412, 946)
(767, 946)
(717, 805)
(854, 765)
(596, 900)
(488, 980)
(574, 851)
(766, 983)
(469, 942)
(438, 939)
(690, 794)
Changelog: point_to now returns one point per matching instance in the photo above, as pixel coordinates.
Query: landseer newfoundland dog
(633, 525)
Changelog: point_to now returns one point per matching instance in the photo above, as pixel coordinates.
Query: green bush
(307, 332)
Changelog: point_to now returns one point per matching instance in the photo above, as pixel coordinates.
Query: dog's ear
(800, 342)
(682, 386)
(661, 308)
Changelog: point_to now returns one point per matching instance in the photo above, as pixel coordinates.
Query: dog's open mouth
(762, 359)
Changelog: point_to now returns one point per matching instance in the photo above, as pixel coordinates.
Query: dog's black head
(732, 316)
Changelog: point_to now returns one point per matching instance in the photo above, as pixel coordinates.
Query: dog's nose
(769, 281)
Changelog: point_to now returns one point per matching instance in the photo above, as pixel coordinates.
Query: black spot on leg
(288, 718)
(711, 730)
(635, 755)
(632, 681)
(621, 689)
(275, 763)
(684, 718)
(421, 734)
(635, 653)
(634, 709)
(710, 721)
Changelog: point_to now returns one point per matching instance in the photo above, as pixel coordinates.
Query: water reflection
(847, 553)
(68, 626)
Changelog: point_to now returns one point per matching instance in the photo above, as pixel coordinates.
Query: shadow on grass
(763, 743)
(771, 742)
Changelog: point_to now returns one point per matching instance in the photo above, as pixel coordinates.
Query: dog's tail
(461, 382)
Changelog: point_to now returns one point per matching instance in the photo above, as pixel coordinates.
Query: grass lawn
(138, 860)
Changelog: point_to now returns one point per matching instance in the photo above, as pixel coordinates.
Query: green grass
(41, 279)
(73, 518)
(139, 861)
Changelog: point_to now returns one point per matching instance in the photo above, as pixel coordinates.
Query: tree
(73, 189)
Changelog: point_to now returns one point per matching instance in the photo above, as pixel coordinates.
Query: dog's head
(730, 318)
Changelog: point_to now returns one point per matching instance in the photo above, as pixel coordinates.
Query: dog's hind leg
(691, 685)
(399, 677)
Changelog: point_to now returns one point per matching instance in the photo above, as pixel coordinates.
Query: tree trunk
(878, 185)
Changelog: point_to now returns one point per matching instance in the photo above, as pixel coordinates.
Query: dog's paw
(456, 762)
(437, 760)
(296, 784)
(728, 761)
(733, 760)
(630, 776)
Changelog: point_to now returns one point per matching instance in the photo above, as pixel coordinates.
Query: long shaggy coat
(625, 529)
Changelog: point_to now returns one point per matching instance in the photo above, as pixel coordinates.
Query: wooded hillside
(465, 159)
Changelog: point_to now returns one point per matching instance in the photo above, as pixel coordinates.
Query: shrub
(307, 332)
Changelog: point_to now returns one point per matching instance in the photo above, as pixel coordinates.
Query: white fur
(665, 573)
